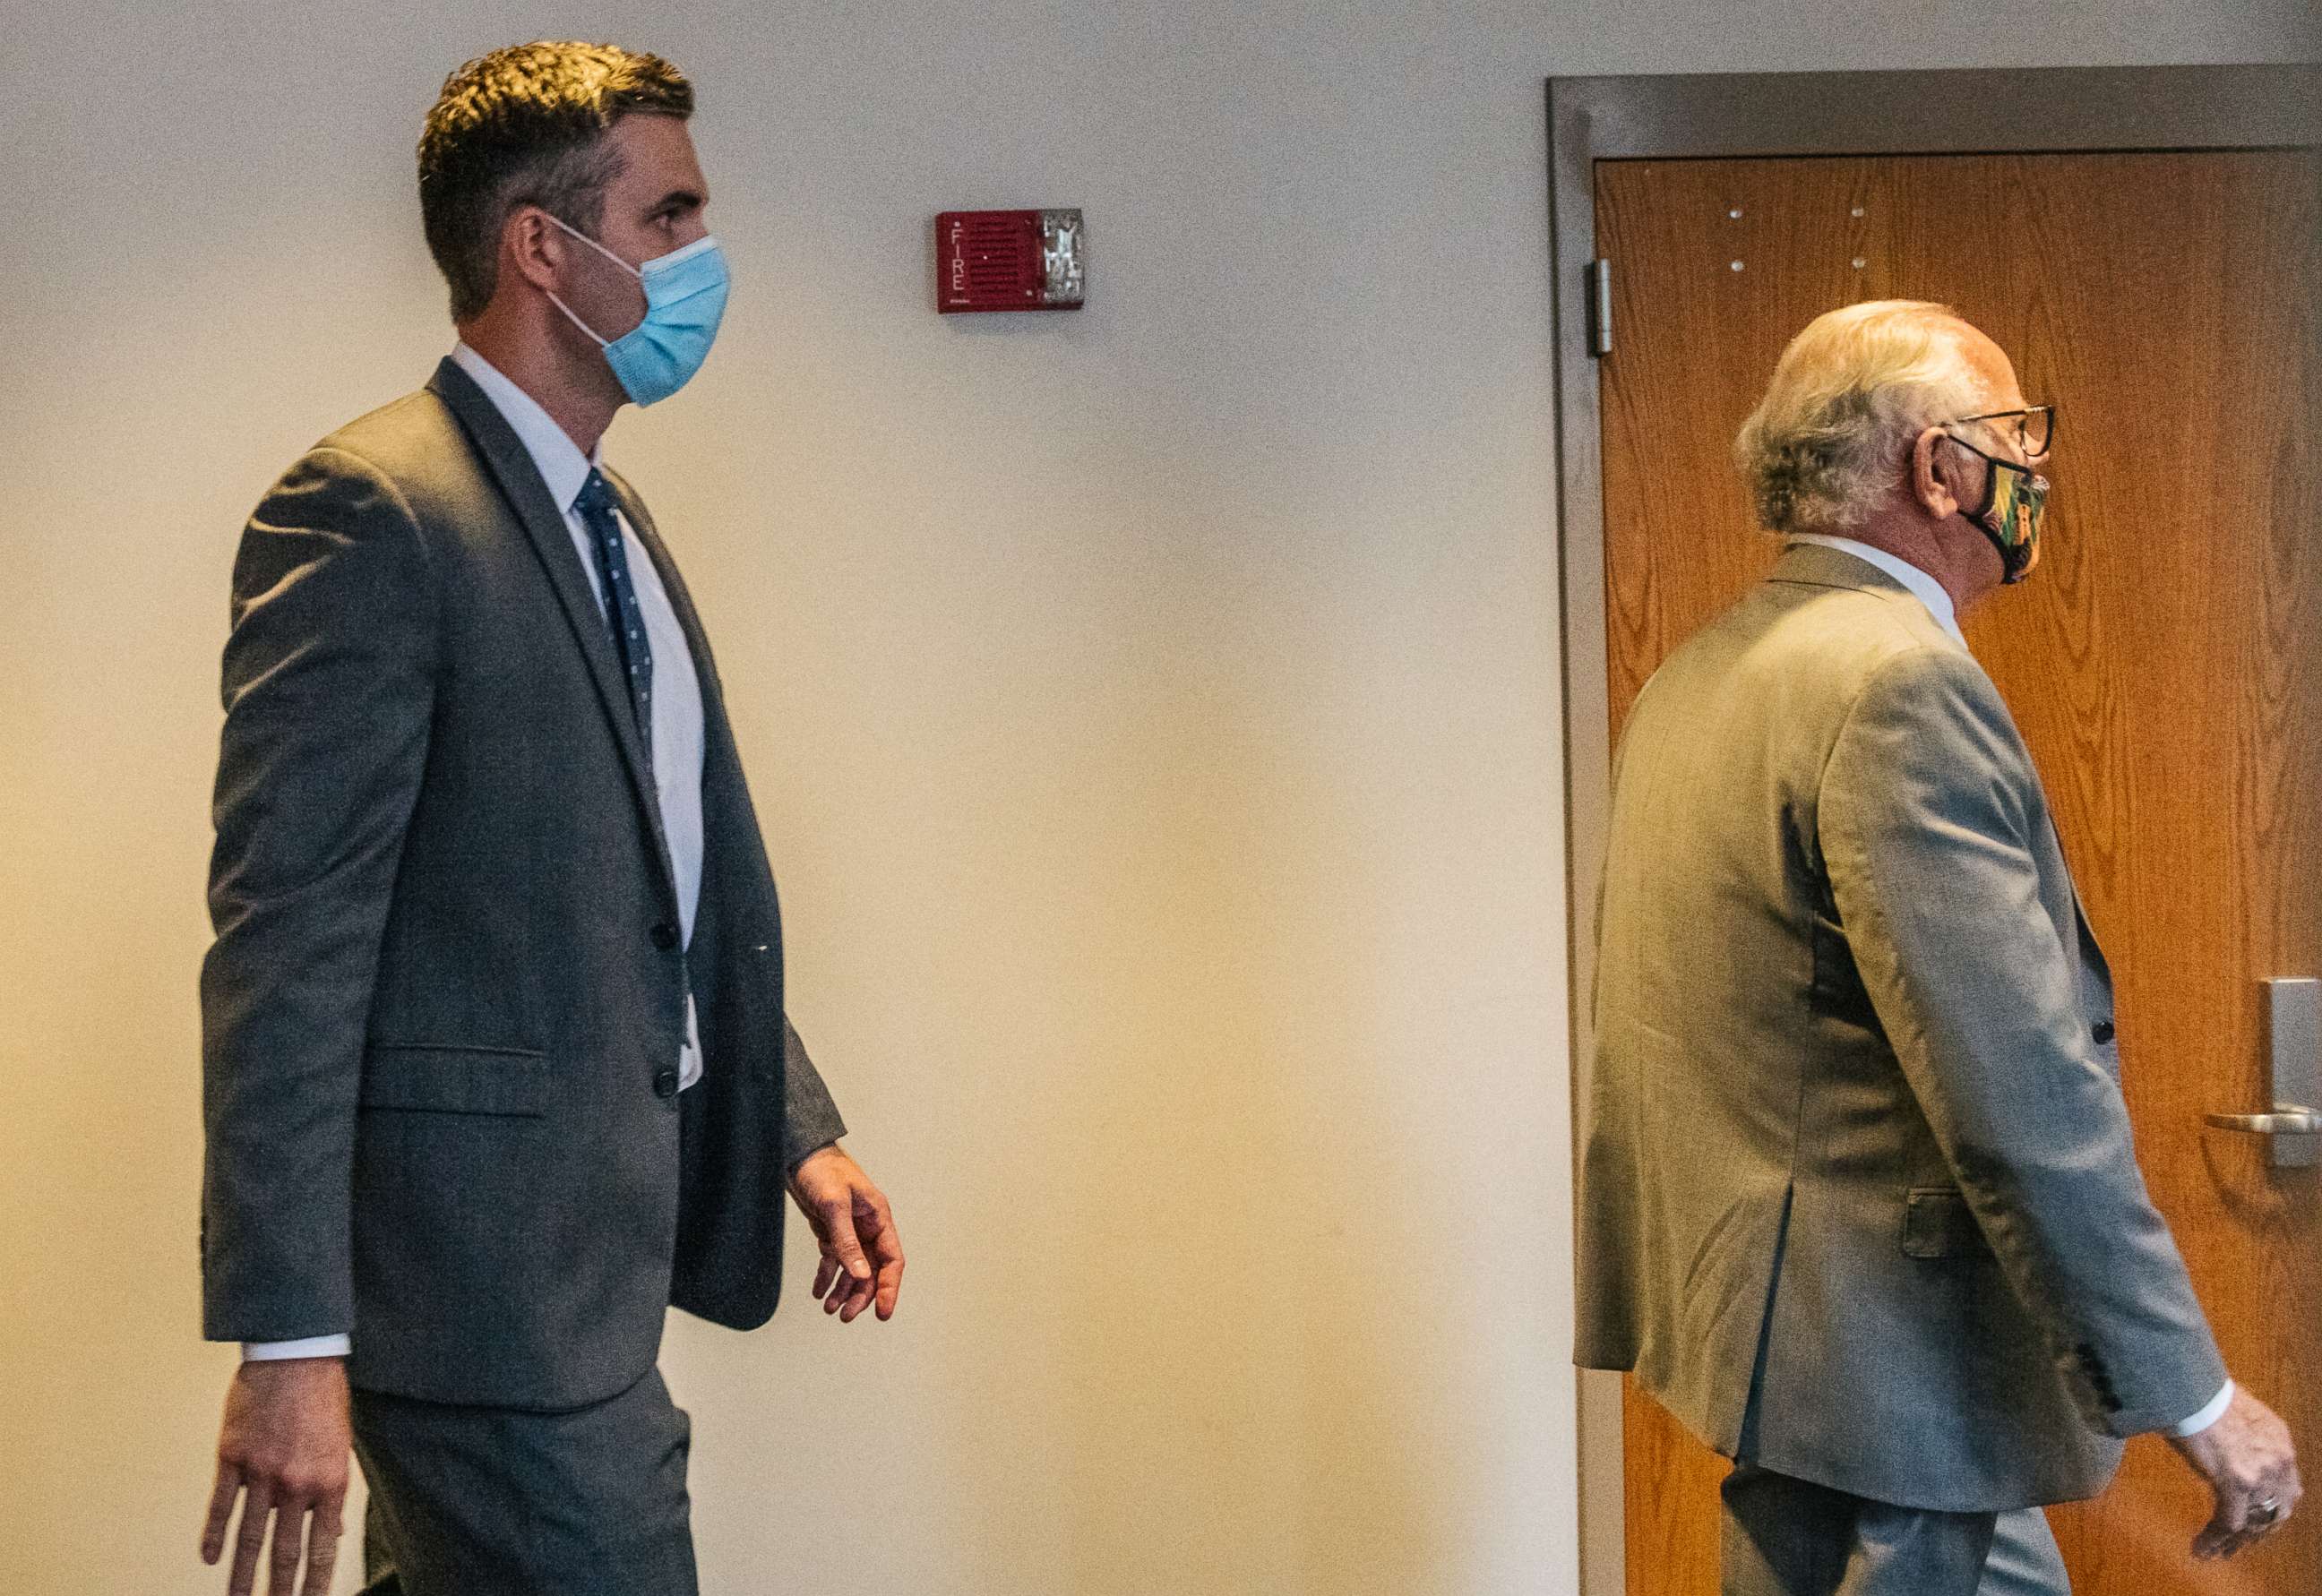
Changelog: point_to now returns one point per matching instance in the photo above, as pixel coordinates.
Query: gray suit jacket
(442, 1015)
(1859, 1201)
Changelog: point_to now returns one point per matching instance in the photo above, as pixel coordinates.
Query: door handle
(2288, 1119)
(2293, 1026)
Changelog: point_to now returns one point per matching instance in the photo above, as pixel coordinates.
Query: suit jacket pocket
(424, 1078)
(1937, 1223)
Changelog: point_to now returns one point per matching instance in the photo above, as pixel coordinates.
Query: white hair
(1847, 398)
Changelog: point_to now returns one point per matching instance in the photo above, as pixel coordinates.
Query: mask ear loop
(593, 244)
(616, 259)
(1990, 479)
(576, 321)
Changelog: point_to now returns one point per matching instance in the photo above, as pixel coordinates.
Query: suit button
(664, 935)
(665, 1084)
(2102, 1031)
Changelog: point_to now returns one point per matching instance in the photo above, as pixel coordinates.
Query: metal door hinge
(1600, 307)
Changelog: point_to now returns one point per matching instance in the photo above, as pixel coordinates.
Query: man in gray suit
(1859, 1203)
(495, 1064)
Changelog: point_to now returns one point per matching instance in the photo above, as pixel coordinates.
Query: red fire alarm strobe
(1009, 261)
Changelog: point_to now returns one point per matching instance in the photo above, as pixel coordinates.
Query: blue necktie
(623, 613)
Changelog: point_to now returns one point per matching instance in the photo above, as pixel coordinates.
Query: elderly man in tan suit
(1858, 1200)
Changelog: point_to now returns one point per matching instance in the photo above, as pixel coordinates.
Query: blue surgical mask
(685, 298)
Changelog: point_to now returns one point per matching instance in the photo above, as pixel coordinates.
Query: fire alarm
(1009, 261)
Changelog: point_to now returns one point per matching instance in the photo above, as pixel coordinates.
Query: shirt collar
(1924, 588)
(558, 459)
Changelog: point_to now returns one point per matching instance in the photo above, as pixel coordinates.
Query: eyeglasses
(2035, 426)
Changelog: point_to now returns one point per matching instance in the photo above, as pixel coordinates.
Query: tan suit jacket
(1859, 1201)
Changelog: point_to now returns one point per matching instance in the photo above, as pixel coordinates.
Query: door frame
(1788, 114)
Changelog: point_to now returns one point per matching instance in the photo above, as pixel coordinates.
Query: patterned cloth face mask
(2013, 499)
(685, 299)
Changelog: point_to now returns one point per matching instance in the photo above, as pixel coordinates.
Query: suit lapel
(723, 869)
(510, 464)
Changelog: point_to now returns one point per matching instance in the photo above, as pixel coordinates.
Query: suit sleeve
(809, 1118)
(328, 688)
(1925, 821)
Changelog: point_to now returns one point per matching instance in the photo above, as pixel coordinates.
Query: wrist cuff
(2207, 1416)
(310, 1347)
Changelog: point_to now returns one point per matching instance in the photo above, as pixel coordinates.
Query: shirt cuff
(2206, 1415)
(311, 1346)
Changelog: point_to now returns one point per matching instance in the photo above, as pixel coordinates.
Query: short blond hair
(1847, 398)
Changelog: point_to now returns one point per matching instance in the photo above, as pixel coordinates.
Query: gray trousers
(489, 1501)
(1783, 1537)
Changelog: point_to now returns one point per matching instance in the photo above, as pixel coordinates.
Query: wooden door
(2164, 662)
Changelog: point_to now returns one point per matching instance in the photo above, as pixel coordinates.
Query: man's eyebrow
(683, 199)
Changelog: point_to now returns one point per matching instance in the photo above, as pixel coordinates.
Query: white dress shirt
(1930, 592)
(1924, 588)
(677, 724)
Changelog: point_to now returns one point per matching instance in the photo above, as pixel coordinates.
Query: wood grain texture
(2164, 663)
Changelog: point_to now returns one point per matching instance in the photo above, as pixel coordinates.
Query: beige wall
(1153, 712)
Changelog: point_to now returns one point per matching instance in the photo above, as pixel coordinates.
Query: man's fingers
(886, 1246)
(876, 1226)
(864, 1292)
(851, 1298)
(2237, 1525)
(321, 1564)
(2252, 1467)
(229, 1485)
(862, 1265)
(842, 1254)
(322, 1551)
(257, 1507)
(282, 1571)
(840, 1221)
(2281, 1498)
(2220, 1536)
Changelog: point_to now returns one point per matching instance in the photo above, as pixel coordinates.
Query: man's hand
(283, 1448)
(850, 1217)
(2247, 1458)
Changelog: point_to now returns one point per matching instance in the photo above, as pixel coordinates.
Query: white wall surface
(1154, 714)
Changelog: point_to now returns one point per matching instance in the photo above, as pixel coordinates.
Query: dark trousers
(1784, 1536)
(489, 1501)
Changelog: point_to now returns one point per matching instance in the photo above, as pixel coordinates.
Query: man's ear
(531, 249)
(1935, 475)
